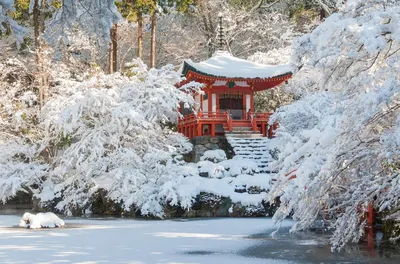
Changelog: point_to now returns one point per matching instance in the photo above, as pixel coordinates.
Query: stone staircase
(249, 145)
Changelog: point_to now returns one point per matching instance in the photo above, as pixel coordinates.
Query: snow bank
(41, 220)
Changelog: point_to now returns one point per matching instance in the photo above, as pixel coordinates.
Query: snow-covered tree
(341, 139)
(18, 31)
(21, 167)
(271, 99)
(194, 35)
(112, 132)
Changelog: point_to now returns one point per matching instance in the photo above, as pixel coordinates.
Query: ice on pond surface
(222, 241)
(133, 241)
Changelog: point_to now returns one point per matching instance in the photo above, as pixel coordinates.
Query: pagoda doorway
(232, 103)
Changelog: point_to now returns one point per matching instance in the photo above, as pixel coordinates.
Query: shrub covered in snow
(41, 220)
(215, 156)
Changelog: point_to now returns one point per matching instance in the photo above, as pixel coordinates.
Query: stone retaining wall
(204, 143)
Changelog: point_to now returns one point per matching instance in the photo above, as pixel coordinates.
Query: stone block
(201, 140)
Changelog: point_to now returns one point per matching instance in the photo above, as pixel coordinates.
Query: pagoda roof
(222, 65)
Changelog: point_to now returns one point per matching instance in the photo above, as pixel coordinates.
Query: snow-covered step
(252, 147)
(243, 135)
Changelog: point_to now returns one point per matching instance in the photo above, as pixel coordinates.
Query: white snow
(41, 220)
(135, 241)
(216, 155)
(7, 4)
(223, 64)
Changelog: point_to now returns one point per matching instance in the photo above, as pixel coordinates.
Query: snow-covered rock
(41, 220)
(215, 156)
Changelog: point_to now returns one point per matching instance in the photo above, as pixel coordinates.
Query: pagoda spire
(221, 34)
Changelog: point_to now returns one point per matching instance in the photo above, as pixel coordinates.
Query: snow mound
(41, 220)
(215, 156)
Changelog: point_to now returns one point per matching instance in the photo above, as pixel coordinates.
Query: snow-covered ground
(134, 241)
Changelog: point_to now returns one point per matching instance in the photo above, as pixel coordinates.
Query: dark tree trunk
(140, 35)
(153, 40)
(39, 28)
(113, 49)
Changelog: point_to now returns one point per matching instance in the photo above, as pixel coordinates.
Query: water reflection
(309, 247)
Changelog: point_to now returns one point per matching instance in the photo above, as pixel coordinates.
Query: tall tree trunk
(208, 27)
(113, 49)
(36, 14)
(153, 40)
(39, 28)
(140, 35)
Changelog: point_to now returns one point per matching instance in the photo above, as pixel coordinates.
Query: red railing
(202, 116)
(259, 122)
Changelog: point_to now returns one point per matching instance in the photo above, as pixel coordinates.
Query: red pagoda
(228, 98)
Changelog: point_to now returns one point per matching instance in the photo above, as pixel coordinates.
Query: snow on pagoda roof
(223, 64)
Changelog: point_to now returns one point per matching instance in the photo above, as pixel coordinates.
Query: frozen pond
(175, 242)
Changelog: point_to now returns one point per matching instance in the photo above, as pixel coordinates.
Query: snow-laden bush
(21, 166)
(114, 136)
(41, 220)
(340, 139)
(215, 156)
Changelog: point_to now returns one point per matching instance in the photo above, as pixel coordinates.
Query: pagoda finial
(221, 34)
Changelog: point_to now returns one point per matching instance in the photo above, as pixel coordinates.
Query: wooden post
(263, 129)
(209, 102)
(212, 129)
(371, 215)
(274, 128)
(254, 123)
(252, 101)
(199, 130)
(244, 106)
(217, 102)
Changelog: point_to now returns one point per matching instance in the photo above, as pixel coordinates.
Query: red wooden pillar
(217, 102)
(371, 215)
(244, 106)
(274, 128)
(252, 100)
(270, 131)
(209, 102)
(212, 129)
(201, 102)
(371, 241)
(371, 234)
(263, 128)
(199, 130)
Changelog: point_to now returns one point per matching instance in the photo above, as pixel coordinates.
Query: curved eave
(257, 84)
(187, 67)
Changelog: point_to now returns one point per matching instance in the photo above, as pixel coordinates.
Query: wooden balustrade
(192, 125)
